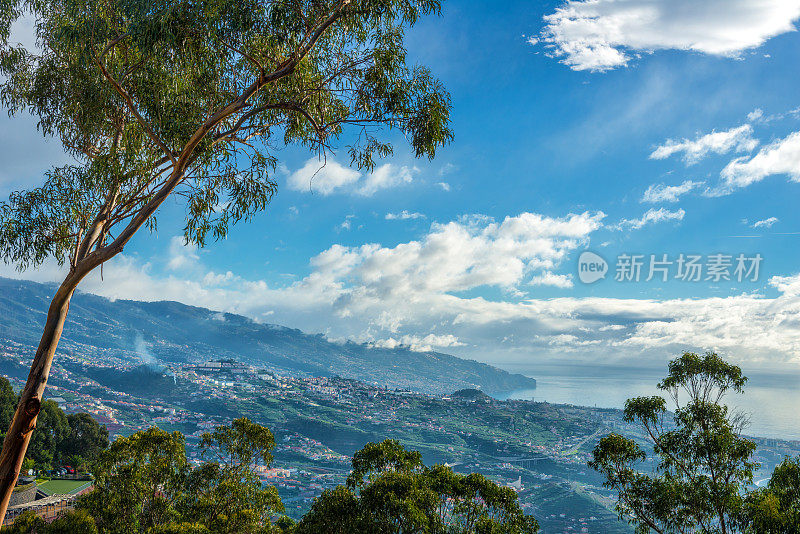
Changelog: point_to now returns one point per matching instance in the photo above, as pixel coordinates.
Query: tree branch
(132, 108)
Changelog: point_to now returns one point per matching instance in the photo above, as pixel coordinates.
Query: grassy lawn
(61, 486)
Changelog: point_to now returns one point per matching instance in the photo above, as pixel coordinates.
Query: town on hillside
(538, 449)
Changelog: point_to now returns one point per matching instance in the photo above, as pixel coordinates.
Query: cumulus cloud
(386, 176)
(327, 177)
(461, 255)
(181, 255)
(779, 157)
(755, 115)
(651, 216)
(668, 193)
(599, 35)
(418, 343)
(407, 295)
(766, 223)
(739, 139)
(548, 278)
(404, 216)
(322, 177)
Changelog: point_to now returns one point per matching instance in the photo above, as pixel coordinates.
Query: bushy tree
(70, 522)
(155, 98)
(703, 462)
(84, 441)
(73, 522)
(139, 480)
(8, 403)
(224, 493)
(144, 484)
(390, 490)
(775, 509)
(74, 439)
(52, 428)
(27, 523)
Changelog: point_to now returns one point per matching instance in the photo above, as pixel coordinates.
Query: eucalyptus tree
(704, 465)
(160, 98)
(139, 482)
(144, 483)
(390, 490)
(225, 493)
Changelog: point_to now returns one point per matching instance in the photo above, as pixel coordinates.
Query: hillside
(170, 332)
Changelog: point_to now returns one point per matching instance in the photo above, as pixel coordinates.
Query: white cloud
(598, 35)
(651, 216)
(384, 177)
(780, 157)
(404, 216)
(447, 168)
(408, 295)
(668, 193)
(327, 177)
(323, 177)
(461, 256)
(758, 116)
(739, 139)
(444, 185)
(766, 223)
(755, 115)
(347, 223)
(371, 289)
(548, 278)
(181, 256)
(421, 344)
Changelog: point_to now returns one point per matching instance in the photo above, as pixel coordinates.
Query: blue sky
(629, 127)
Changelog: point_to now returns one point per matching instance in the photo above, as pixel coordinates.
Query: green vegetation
(58, 439)
(470, 394)
(704, 467)
(73, 522)
(144, 484)
(390, 491)
(776, 508)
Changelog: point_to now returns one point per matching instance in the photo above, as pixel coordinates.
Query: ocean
(771, 401)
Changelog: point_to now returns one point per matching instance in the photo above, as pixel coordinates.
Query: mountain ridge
(170, 332)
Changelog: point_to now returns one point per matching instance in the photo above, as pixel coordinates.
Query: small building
(47, 500)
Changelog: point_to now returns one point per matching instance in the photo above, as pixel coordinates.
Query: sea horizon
(769, 399)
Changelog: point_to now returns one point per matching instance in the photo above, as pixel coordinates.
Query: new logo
(591, 267)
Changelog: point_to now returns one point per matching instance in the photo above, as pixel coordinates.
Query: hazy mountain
(170, 332)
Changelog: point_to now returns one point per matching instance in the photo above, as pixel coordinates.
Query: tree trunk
(30, 402)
